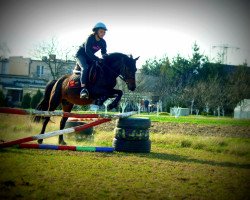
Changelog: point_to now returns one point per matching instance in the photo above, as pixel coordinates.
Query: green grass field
(178, 167)
(201, 120)
(194, 119)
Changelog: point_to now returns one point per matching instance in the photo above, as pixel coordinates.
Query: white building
(242, 110)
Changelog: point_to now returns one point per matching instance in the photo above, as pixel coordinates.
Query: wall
(33, 70)
(18, 66)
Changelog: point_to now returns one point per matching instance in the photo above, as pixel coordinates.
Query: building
(242, 110)
(19, 75)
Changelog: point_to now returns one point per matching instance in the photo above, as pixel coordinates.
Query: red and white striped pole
(102, 118)
(53, 133)
(62, 114)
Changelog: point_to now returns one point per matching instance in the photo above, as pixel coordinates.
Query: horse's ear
(136, 58)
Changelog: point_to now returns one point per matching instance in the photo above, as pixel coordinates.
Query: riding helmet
(99, 25)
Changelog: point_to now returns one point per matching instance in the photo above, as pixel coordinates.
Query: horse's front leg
(53, 104)
(116, 101)
(101, 100)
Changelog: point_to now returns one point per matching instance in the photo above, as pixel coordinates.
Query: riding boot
(84, 94)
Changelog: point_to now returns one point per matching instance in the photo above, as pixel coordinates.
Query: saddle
(74, 81)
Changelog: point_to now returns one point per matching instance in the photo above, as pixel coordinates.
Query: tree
(2, 99)
(152, 67)
(165, 84)
(36, 99)
(26, 102)
(238, 86)
(50, 54)
(197, 82)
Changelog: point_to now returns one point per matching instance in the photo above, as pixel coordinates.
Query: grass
(225, 145)
(193, 119)
(178, 167)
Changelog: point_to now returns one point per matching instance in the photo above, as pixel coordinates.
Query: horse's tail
(44, 103)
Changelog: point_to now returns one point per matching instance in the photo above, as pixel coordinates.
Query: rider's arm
(88, 46)
(104, 49)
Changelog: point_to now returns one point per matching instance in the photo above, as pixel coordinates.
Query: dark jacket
(90, 47)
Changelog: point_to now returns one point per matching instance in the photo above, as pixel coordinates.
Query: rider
(85, 55)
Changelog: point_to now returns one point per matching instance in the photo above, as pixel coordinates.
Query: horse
(102, 80)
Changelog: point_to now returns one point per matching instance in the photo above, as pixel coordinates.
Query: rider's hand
(104, 55)
(100, 61)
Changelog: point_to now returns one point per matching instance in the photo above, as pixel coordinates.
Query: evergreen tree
(36, 99)
(26, 101)
(152, 67)
(2, 99)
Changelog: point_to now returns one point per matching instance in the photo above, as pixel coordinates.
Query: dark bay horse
(66, 90)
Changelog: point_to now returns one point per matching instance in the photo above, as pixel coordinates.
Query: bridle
(123, 69)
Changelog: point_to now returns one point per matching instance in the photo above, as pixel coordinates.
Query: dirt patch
(189, 129)
(197, 129)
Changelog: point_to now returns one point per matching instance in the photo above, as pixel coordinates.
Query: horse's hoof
(62, 142)
(40, 141)
(98, 102)
(110, 107)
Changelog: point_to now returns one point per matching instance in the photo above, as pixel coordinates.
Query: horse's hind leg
(67, 107)
(54, 103)
(46, 121)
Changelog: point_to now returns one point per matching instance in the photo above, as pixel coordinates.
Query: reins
(118, 75)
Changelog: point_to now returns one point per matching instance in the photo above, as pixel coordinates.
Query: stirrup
(84, 94)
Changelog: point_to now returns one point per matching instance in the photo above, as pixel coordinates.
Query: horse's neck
(110, 76)
(111, 71)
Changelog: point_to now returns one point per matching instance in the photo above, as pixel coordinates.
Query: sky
(149, 29)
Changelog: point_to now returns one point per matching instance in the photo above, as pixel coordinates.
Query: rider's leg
(81, 60)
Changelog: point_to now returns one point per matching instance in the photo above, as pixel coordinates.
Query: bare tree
(54, 58)
(239, 85)
(4, 50)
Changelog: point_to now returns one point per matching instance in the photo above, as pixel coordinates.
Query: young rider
(85, 55)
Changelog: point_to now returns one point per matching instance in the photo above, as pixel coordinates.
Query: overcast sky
(142, 28)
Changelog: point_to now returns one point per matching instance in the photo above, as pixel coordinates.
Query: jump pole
(18, 111)
(54, 133)
(64, 131)
(70, 148)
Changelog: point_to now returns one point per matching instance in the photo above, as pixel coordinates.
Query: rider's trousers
(82, 62)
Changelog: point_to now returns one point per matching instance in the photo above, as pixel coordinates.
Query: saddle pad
(74, 81)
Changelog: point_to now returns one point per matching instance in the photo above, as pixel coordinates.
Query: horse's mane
(116, 55)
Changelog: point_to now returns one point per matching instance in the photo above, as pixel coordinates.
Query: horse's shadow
(160, 156)
(186, 159)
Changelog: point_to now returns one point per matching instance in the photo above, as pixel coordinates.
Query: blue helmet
(99, 25)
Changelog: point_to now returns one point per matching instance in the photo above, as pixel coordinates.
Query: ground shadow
(186, 159)
(155, 155)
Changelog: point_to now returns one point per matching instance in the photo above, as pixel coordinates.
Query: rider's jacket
(90, 47)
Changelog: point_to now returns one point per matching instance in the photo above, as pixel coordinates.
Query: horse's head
(124, 66)
(128, 70)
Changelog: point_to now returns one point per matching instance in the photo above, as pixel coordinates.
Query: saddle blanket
(74, 82)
